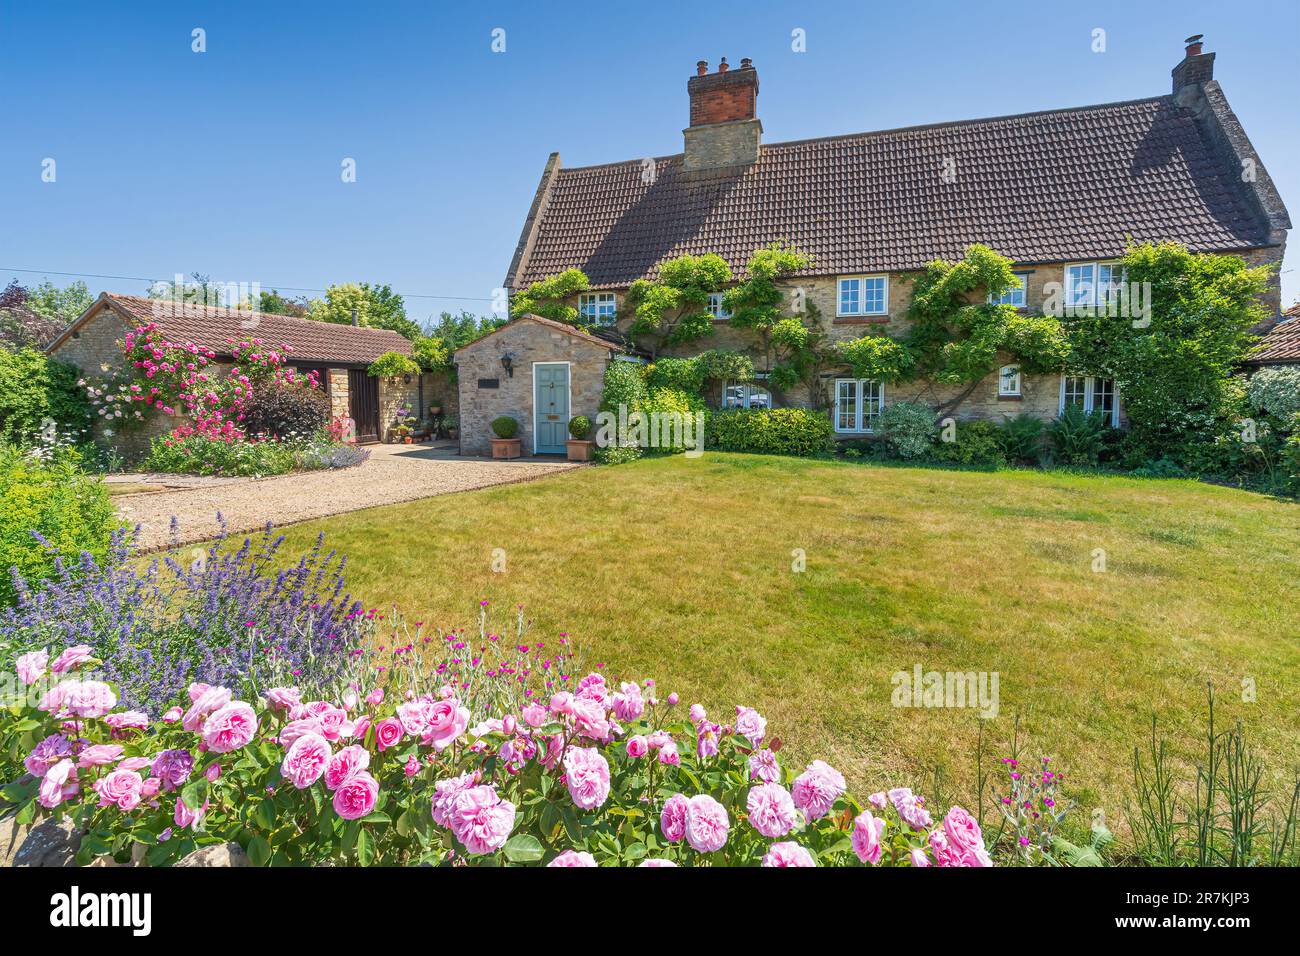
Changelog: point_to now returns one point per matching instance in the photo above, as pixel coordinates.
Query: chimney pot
(1194, 44)
(354, 317)
(1193, 71)
(746, 63)
(722, 67)
(701, 67)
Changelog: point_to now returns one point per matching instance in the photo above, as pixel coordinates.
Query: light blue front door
(551, 407)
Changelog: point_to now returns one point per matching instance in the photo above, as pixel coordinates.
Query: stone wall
(339, 392)
(527, 342)
(395, 394)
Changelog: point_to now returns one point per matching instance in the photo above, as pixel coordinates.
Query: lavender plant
(227, 617)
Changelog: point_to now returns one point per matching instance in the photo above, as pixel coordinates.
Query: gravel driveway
(393, 473)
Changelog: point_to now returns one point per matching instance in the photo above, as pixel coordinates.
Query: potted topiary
(505, 445)
(578, 446)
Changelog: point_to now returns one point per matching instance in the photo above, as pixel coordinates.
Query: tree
(273, 303)
(59, 304)
(457, 331)
(675, 309)
(377, 307)
(1175, 370)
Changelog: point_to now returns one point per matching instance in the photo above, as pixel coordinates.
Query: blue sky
(228, 162)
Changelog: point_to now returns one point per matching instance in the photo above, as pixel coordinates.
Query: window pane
(1103, 396)
(1016, 294)
(874, 296)
(850, 296)
(757, 397)
(872, 402)
(1075, 392)
(716, 307)
(846, 405)
(1009, 380)
(1080, 285)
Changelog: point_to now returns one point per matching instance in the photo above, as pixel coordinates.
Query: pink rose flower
(918, 857)
(910, 807)
(481, 820)
(134, 763)
(411, 767)
(943, 853)
(172, 714)
(866, 837)
(388, 733)
(561, 703)
(444, 796)
(31, 667)
(330, 718)
(706, 740)
(306, 760)
(230, 728)
(298, 728)
(208, 701)
(586, 773)
(185, 817)
(46, 754)
(99, 755)
(128, 720)
(698, 713)
(120, 788)
(535, 715)
(668, 755)
(173, 767)
(356, 796)
(878, 800)
(90, 698)
(771, 810)
(415, 715)
(589, 719)
(58, 784)
(672, 821)
(573, 858)
(375, 697)
(788, 854)
(447, 721)
(763, 766)
(72, 658)
(638, 746)
(345, 764)
(707, 823)
(965, 839)
(282, 698)
(592, 687)
(750, 724)
(817, 788)
(656, 863)
(628, 702)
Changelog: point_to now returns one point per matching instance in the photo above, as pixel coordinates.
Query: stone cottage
(339, 354)
(1060, 192)
(1281, 346)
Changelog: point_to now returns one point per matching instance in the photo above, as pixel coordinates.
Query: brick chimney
(724, 130)
(1197, 68)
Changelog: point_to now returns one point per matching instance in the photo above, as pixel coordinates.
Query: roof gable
(1039, 187)
(610, 343)
(214, 328)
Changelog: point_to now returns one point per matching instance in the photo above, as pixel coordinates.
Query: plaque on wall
(489, 383)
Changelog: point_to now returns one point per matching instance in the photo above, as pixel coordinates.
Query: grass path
(681, 570)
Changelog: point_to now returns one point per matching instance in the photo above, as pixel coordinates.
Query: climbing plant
(675, 308)
(547, 298)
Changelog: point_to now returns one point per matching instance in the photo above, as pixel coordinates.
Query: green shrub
(68, 508)
(505, 427)
(34, 388)
(1276, 391)
(199, 454)
(908, 428)
(1160, 468)
(1022, 438)
(284, 412)
(681, 374)
(676, 407)
(624, 385)
(393, 365)
(579, 427)
(976, 444)
(1079, 436)
(775, 431)
(615, 455)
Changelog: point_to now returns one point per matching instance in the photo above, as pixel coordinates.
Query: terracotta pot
(407, 439)
(505, 447)
(579, 450)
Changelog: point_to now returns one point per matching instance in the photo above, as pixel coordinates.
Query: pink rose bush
(410, 764)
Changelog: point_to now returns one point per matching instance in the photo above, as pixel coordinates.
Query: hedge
(771, 431)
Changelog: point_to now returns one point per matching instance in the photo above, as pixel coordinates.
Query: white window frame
(1023, 291)
(599, 299)
(1095, 297)
(1009, 385)
(747, 394)
(862, 297)
(716, 306)
(861, 420)
(1090, 395)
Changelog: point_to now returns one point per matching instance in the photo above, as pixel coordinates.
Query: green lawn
(681, 570)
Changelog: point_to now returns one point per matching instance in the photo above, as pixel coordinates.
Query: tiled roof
(1040, 187)
(604, 337)
(209, 327)
(1282, 343)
